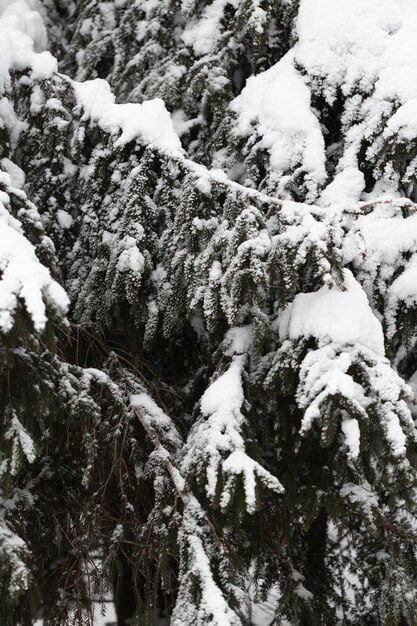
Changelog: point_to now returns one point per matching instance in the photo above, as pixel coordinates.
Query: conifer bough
(208, 312)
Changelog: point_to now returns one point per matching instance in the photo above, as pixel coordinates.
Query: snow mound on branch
(217, 445)
(363, 50)
(368, 236)
(23, 277)
(386, 263)
(149, 120)
(225, 391)
(23, 41)
(202, 35)
(333, 315)
(358, 45)
(277, 104)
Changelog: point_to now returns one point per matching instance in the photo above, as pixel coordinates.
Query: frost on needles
(208, 309)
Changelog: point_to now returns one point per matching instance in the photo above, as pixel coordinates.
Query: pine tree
(208, 374)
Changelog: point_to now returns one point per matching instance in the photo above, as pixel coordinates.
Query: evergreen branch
(178, 481)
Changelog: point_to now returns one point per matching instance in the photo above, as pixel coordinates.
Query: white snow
(217, 440)
(362, 495)
(23, 41)
(14, 551)
(362, 48)
(17, 175)
(331, 314)
(213, 603)
(369, 236)
(202, 34)
(360, 44)
(64, 219)
(21, 440)
(130, 259)
(381, 245)
(344, 190)
(155, 417)
(226, 391)
(350, 428)
(149, 120)
(276, 106)
(23, 277)
(326, 372)
(238, 340)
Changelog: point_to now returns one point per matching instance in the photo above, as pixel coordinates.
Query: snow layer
(334, 315)
(385, 262)
(203, 34)
(156, 418)
(364, 49)
(23, 277)
(217, 442)
(149, 120)
(328, 372)
(276, 104)
(23, 41)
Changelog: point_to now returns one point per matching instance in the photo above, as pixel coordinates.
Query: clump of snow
(352, 433)
(382, 246)
(17, 175)
(276, 106)
(328, 372)
(215, 273)
(332, 314)
(368, 237)
(203, 33)
(23, 277)
(238, 340)
(130, 259)
(149, 120)
(363, 50)
(345, 189)
(216, 442)
(23, 41)
(225, 390)
(64, 219)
